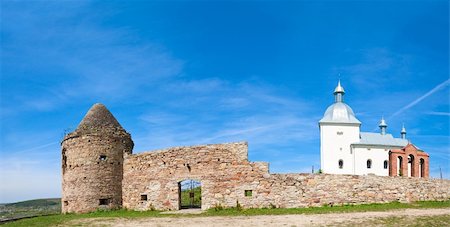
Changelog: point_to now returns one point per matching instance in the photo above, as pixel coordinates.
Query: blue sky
(194, 72)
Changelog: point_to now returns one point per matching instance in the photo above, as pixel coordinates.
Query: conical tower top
(98, 116)
(339, 88)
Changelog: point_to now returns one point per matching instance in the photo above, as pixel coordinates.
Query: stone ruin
(99, 171)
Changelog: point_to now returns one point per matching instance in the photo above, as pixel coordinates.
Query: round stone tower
(92, 163)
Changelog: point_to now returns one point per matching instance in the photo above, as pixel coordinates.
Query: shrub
(238, 205)
(218, 207)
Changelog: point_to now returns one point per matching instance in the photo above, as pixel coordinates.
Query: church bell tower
(338, 129)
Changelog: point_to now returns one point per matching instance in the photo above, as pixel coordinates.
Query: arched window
(411, 166)
(422, 167)
(341, 164)
(385, 164)
(369, 163)
(399, 166)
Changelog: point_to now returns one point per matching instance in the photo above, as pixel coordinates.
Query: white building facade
(344, 149)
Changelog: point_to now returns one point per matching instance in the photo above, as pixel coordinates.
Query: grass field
(328, 209)
(61, 219)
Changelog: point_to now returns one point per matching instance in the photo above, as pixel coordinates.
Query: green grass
(52, 220)
(328, 209)
(64, 218)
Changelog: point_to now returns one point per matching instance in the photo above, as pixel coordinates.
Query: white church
(344, 149)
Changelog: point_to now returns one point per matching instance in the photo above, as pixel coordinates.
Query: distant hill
(36, 203)
(29, 208)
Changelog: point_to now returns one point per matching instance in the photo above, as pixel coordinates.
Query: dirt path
(266, 220)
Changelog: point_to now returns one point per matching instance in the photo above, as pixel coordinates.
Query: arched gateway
(190, 194)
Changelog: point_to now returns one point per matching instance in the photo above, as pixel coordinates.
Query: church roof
(377, 139)
(339, 112)
(98, 116)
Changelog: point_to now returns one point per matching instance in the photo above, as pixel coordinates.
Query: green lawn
(328, 209)
(61, 218)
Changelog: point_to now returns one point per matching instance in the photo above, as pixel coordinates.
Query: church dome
(339, 112)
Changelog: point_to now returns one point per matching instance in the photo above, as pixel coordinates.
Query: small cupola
(339, 93)
(382, 126)
(339, 112)
(403, 132)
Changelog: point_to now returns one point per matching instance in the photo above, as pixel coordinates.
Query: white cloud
(437, 113)
(93, 61)
(421, 98)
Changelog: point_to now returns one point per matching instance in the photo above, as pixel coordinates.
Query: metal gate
(190, 194)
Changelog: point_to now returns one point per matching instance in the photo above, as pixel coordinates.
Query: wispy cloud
(421, 98)
(438, 113)
(94, 61)
(374, 68)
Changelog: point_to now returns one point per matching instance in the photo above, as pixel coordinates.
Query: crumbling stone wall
(219, 168)
(225, 174)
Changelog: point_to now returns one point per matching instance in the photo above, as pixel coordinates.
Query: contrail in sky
(413, 103)
(38, 147)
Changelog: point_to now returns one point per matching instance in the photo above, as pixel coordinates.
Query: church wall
(225, 176)
(335, 145)
(377, 155)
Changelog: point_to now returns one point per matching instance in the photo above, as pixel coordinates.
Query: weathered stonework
(150, 180)
(92, 163)
(225, 174)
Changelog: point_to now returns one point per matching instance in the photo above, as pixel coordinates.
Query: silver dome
(339, 112)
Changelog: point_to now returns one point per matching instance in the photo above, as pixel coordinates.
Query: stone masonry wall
(225, 174)
(86, 177)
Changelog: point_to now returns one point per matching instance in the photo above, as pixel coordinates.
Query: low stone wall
(226, 174)
(306, 190)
